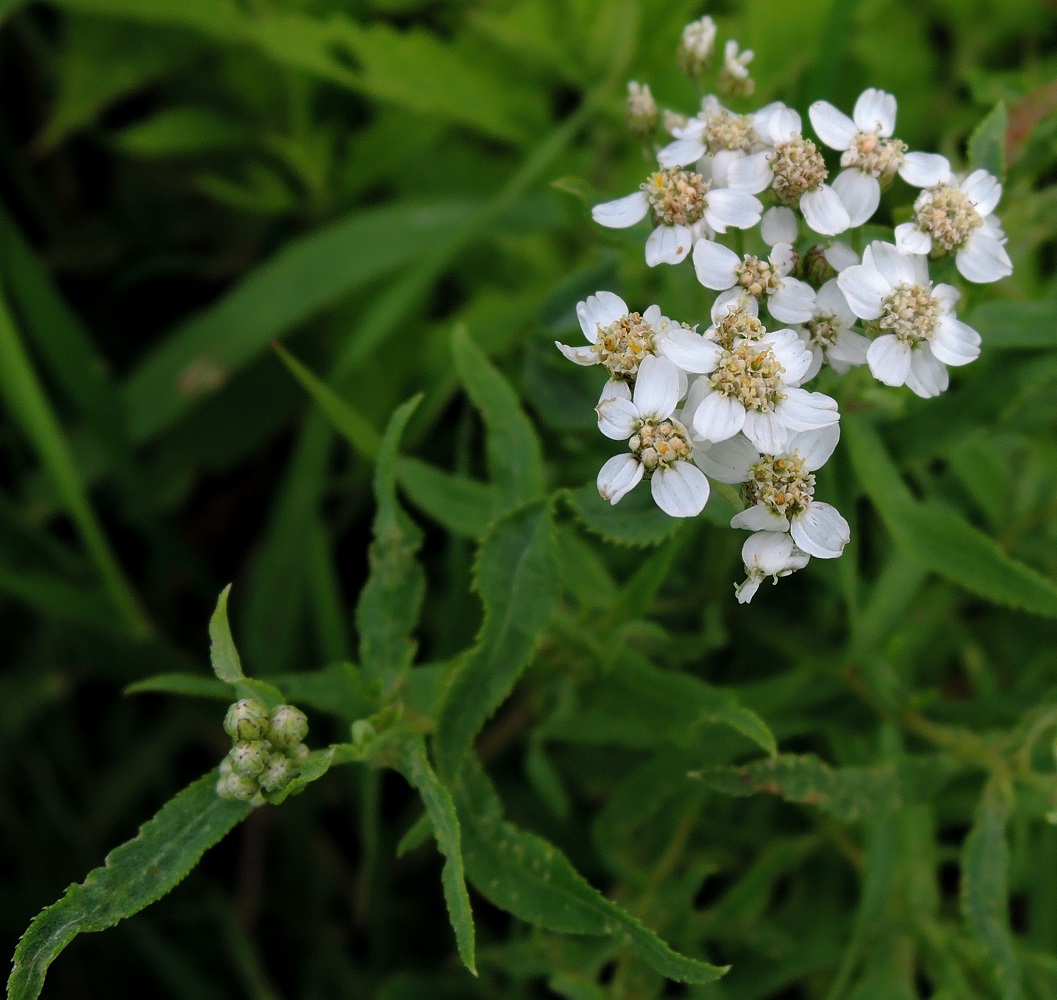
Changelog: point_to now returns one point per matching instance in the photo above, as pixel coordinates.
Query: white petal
(910, 239)
(821, 531)
(681, 152)
(889, 360)
(983, 190)
(875, 111)
(746, 590)
(668, 245)
(716, 265)
(752, 173)
(615, 388)
(833, 127)
(840, 256)
(691, 351)
(790, 352)
(860, 194)
(804, 411)
(760, 518)
(815, 446)
(618, 477)
(728, 208)
(766, 431)
(783, 259)
(680, 490)
(896, 268)
(824, 211)
(865, 288)
(816, 359)
(597, 310)
(656, 388)
(770, 553)
(731, 301)
(720, 163)
(618, 418)
(925, 170)
(955, 343)
(784, 125)
(792, 302)
(718, 417)
(848, 349)
(623, 212)
(578, 355)
(983, 258)
(727, 461)
(947, 296)
(829, 299)
(928, 377)
(779, 225)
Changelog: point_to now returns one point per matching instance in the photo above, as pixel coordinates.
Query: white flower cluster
(729, 403)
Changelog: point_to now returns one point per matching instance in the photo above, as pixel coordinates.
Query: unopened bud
(297, 754)
(696, 47)
(642, 110)
(277, 774)
(237, 786)
(246, 720)
(287, 726)
(814, 267)
(249, 758)
(734, 79)
(362, 732)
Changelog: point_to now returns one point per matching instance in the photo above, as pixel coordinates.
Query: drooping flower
(955, 216)
(767, 554)
(684, 208)
(660, 448)
(919, 332)
(869, 155)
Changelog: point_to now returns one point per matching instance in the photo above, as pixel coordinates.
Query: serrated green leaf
(635, 520)
(1016, 325)
(345, 420)
(413, 764)
(227, 665)
(391, 600)
(515, 463)
(133, 876)
(516, 576)
(939, 539)
(987, 145)
(848, 793)
(462, 505)
(985, 888)
(530, 878)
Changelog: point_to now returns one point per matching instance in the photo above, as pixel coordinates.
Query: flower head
(696, 47)
(642, 111)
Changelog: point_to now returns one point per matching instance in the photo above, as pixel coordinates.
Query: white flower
(788, 299)
(685, 208)
(828, 334)
(754, 388)
(780, 488)
(794, 169)
(712, 131)
(767, 553)
(642, 112)
(870, 155)
(697, 46)
(954, 215)
(620, 339)
(734, 79)
(660, 445)
(920, 334)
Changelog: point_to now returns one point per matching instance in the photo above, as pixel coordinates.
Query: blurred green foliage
(845, 790)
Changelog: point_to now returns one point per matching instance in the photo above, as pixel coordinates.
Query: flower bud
(278, 773)
(237, 786)
(697, 47)
(642, 111)
(287, 726)
(297, 754)
(250, 757)
(246, 720)
(814, 267)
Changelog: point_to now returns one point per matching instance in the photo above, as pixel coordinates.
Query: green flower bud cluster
(267, 750)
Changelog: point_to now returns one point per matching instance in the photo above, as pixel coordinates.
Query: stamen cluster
(676, 197)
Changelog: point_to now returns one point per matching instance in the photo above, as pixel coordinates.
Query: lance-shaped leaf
(987, 144)
(530, 878)
(411, 761)
(133, 876)
(515, 464)
(985, 888)
(462, 505)
(516, 574)
(391, 599)
(227, 664)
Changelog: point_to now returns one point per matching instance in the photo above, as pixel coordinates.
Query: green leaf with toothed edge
(133, 876)
(635, 520)
(530, 878)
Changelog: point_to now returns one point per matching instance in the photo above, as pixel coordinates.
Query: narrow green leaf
(515, 463)
(516, 575)
(413, 764)
(417, 834)
(635, 520)
(1016, 325)
(985, 888)
(939, 539)
(191, 685)
(987, 144)
(226, 662)
(345, 420)
(462, 505)
(391, 599)
(182, 131)
(530, 878)
(134, 875)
